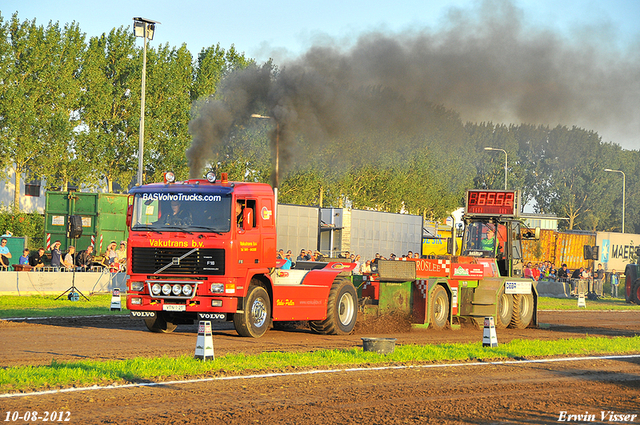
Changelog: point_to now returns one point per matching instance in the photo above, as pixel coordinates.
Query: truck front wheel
(342, 310)
(160, 324)
(254, 320)
(523, 307)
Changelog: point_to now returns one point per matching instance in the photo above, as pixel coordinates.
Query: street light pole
(505, 163)
(144, 28)
(277, 165)
(624, 190)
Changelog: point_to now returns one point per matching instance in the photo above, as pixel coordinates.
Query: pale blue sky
(256, 27)
(285, 29)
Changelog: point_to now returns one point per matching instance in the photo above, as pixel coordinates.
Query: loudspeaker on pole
(204, 343)
(489, 337)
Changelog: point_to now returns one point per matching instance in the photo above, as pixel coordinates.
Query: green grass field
(87, 372)
(47, 306)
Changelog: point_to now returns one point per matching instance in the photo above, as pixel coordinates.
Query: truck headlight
(217, 288)
(177, 289)
(187, 290)
(137, 286)
(166, 289)
(156, 289)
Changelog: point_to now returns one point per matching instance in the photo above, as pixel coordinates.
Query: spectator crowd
(113, 259)
(594, 280)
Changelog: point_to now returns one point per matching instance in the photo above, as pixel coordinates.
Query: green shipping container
(104, 217)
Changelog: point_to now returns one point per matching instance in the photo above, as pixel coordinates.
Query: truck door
(247, 234)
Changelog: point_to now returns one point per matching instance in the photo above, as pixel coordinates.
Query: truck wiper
(148, 228)
(177, 228)
(207, 228)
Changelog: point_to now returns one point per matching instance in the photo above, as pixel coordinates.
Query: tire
(439, 308)
(254, 321)
(523, 307)
(159, 324)
(505, 310)
(635, 292)
(342, 310)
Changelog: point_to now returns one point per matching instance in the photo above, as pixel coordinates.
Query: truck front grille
(200, 262)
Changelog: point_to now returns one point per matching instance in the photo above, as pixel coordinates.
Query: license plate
(174, 307)
(517, 287)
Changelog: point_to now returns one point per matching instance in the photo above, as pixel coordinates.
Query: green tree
(578, 189)
(168, 102)
(215, 63)
(110, 112)
(39, 99)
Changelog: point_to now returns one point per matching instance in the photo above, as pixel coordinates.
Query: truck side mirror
(129, 215)
(247, 219)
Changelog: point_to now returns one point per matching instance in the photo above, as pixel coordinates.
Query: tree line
(70, 112)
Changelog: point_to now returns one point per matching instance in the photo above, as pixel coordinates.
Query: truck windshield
(479, 239)
(195, 212)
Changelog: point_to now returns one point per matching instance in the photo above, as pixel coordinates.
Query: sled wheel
(439, 305)
(522, 310)
(505, 309)
(256, 317)
(342, 310)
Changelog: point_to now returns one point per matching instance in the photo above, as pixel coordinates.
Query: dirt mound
(386, 323)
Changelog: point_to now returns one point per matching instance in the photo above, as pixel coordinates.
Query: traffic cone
(582, 302)
(489, 337)
(116, 304)
(204, 344)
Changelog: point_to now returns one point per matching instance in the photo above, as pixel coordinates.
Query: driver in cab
(178, 216)
(489, 241)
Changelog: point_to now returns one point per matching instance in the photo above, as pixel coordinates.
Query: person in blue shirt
(5, 254)
(615, 280)
(24, 258)
(287, 264)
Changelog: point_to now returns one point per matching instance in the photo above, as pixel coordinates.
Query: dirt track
(521, 393)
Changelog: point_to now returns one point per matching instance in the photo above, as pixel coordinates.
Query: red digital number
(489, 202)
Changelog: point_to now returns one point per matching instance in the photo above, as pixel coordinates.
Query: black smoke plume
(486, 64)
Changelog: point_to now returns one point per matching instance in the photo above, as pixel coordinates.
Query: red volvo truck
(206, 249)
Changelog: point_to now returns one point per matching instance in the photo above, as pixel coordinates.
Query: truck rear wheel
(523, 307)
(439, 305)
(342, 310)
(256, 316)
(160, 324)
(505, 309)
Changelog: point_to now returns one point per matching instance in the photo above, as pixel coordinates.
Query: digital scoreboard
(492, 202)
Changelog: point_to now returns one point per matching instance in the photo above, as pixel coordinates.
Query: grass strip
(547, 303)
(140, 369)
(48, 306)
